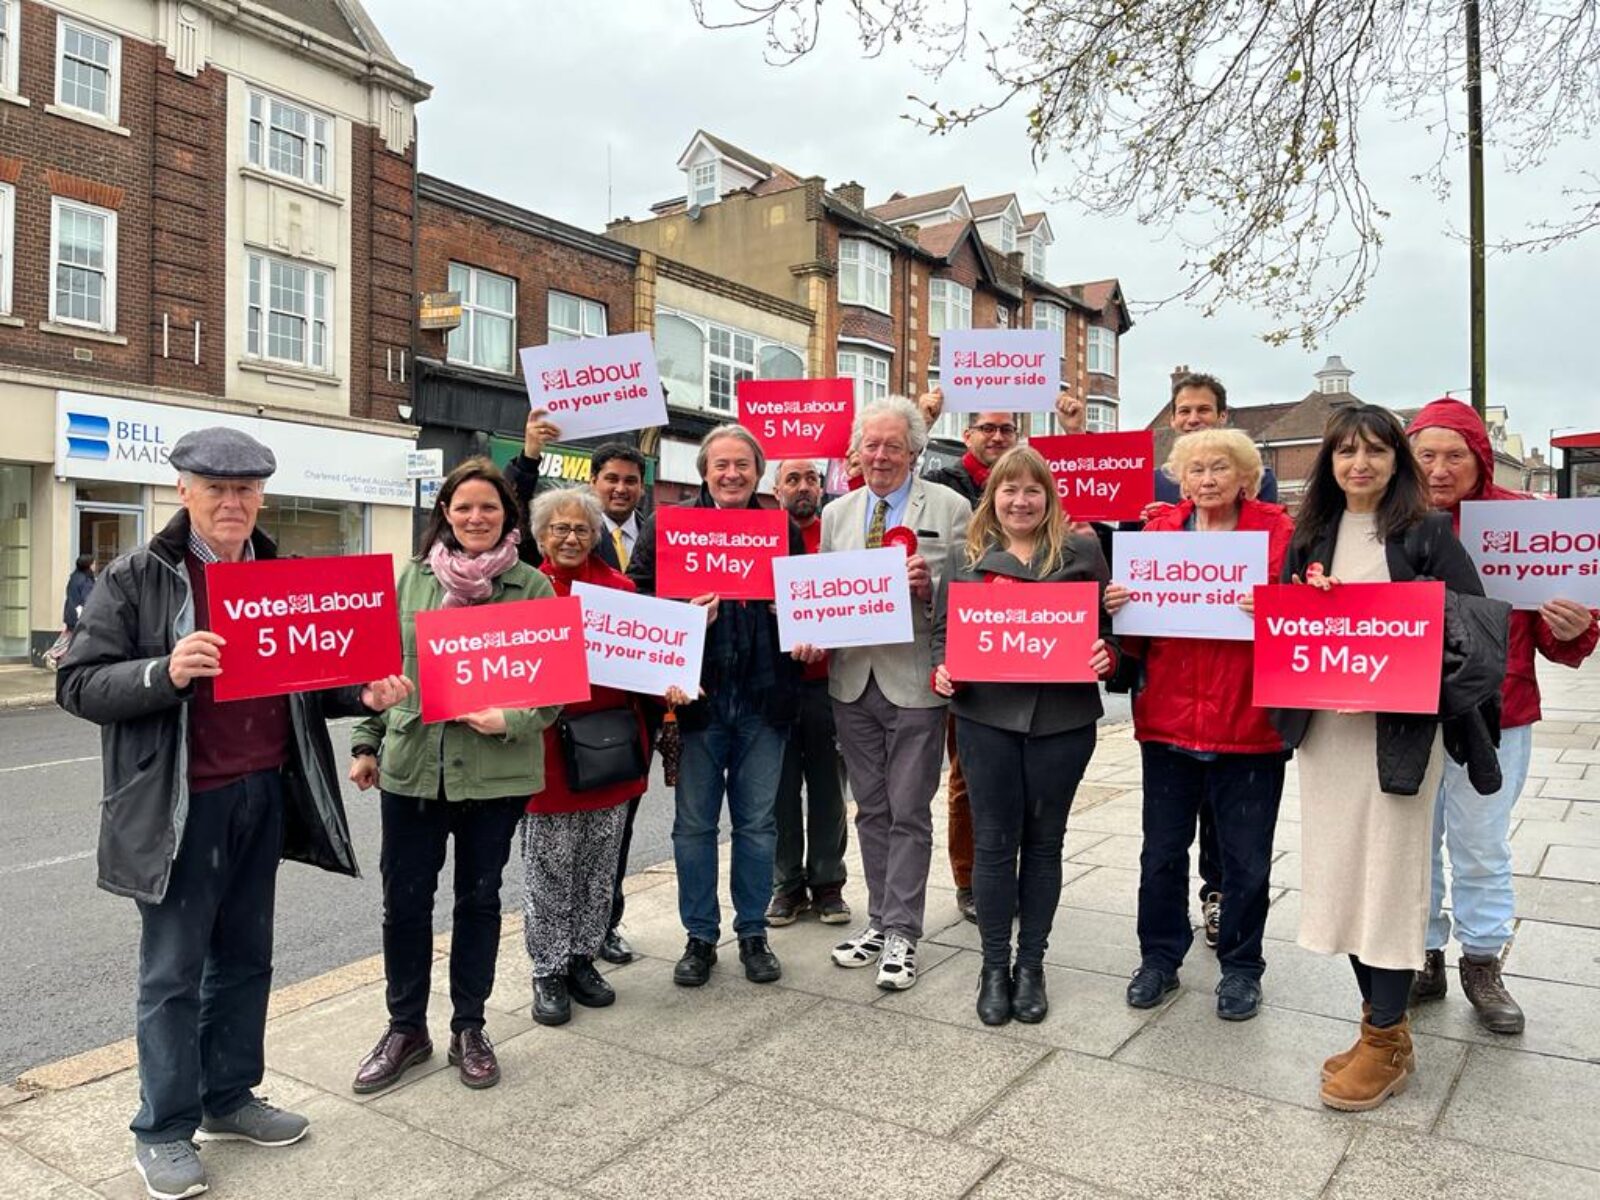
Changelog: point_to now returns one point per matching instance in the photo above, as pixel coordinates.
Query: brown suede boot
(1381, 1067)
(1338, 1062)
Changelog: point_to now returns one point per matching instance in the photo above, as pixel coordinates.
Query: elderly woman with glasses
(572, 831)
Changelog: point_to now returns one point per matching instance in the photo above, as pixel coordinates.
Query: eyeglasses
(990, 429)
(563, 531)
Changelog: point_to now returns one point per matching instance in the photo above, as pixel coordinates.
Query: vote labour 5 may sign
(1022, 633)
(524, 654)
(594, 386)
(641, 643)
(799, 418)
(1012, 369)
(300, 624)
(1358, 647)
(728, 551)
(1101, 476)
(845, 598)
(1188, 585)
(1529, 552)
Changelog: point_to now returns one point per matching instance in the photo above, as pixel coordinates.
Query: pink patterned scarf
(469, 578)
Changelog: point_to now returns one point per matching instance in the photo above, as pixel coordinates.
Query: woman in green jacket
(469, 778)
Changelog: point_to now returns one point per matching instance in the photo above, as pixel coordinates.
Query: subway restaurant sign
(567, 465)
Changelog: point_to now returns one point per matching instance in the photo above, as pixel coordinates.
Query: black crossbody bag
(601, 748)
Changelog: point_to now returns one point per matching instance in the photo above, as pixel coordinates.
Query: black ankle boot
(586, 986)
(994, 995)
(550, 1003)
(1029, 1004)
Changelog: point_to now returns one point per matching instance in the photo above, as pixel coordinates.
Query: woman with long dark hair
(468, 778)
(1367, 780)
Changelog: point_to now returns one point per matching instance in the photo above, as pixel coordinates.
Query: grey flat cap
(222, 453)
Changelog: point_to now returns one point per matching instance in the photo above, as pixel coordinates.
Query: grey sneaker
(170, 1170)
(256, 1121)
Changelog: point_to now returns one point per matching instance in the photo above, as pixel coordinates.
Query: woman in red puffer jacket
(1205, 743)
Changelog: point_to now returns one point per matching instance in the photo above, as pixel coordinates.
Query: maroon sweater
(228, 741)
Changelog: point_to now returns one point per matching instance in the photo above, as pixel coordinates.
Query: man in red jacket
(1453, 447)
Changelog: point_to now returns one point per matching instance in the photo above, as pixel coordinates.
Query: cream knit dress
(1366, 855)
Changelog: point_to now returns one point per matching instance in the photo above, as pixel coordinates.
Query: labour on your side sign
(595, 386)
(799, 418)
(1532, 551)
(843, 598)
(525, 654)
(302, 624)
(1013, 370)
(1188, 585)
(641, 643)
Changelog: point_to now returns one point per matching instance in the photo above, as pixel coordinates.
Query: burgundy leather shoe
(397, 1050)
(473, 1053)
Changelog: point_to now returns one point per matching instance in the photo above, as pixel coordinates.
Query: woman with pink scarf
(467, 779)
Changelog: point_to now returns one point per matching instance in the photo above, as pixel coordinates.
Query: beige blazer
(938, 516)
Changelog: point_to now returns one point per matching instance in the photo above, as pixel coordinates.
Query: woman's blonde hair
(1025, 463)
(1235, 443)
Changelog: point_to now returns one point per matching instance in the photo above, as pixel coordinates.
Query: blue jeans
(1477, 829)
(741, 756)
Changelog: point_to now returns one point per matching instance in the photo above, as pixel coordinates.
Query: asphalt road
(67, 949)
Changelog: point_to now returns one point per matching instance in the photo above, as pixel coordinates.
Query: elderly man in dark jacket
(201, 801)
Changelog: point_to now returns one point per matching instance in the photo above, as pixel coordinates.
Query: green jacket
(415, 757)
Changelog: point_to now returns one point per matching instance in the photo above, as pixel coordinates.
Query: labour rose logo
(1497, 541)
(552, 379)
(1143, 568)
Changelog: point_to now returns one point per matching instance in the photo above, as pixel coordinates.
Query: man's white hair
(892, 406)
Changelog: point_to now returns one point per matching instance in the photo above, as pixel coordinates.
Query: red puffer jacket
(1520, 692)
(1197, 690)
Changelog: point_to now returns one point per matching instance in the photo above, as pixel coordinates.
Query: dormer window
(703, 184)
(1008, 234)
(1036, 252)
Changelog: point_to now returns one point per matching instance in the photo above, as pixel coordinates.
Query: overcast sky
(528, 98)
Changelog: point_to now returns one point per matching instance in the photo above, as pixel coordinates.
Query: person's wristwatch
(362, 751)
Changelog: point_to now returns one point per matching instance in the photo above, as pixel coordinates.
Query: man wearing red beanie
(1453, 447)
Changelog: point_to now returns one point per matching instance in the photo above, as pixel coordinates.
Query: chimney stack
(853, 194)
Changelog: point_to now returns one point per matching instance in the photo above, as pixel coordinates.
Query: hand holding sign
(383, 694)
(197, 655)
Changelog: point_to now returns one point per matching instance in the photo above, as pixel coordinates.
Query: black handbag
(601, 748)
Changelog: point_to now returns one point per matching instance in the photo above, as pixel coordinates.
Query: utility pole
(1480, 370)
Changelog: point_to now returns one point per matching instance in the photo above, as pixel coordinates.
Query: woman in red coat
(1204, 742)
(571, 838)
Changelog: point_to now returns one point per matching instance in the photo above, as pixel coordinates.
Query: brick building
(205, 215)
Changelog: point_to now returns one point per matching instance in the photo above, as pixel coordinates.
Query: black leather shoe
(586, 986)
(760, 963)
(551, 1005)
(615, 948)
(1029, 1002)
(694, 968)
(1149, 985)
(1238, 998)
(994, 995)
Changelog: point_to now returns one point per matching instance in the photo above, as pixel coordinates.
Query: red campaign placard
(1358, 647)
(524, 654)
(303, 624)
(728, 551)
(1101, 476)
(1021, 633)
(799, 418)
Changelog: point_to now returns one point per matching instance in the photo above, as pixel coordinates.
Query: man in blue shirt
(1199, 401)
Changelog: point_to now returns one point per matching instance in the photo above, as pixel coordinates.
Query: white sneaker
(860, 949)
(897, 968)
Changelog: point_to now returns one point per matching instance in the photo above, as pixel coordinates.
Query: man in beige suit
(890, 722)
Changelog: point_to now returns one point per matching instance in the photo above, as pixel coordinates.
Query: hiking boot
(170, 1170)
(786, 908)
(1433, 981)
(1480, 980)
(254, 1121)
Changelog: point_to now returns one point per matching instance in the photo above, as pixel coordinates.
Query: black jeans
(205, 961)
(415, 833)
(1020, 789)
(1387, 989)
(1210, 853)
(812, 835)
(1243, 791)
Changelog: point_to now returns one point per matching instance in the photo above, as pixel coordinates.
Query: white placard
(1531, 551)
(844, 598)
(128, 441)
(1188, 585)
(642, 643)
(425, 464)
(1008, 370)
(595, 386)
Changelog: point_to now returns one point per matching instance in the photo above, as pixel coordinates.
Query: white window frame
(8, 244)
(1052, 316)
(868, 369)
(866, 269)
(1101, 357)
(108, 295)
(586, 309)
(1002, 317)
(10, 40)
(471, 309)
(320, 135)
(1100, 414)
(1008, 233)
(734, 367)
(705, 183)
(1037, 250)
(258, 300)
(113, 69)
(949, 306)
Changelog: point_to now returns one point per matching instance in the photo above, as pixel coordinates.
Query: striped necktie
(880, 518)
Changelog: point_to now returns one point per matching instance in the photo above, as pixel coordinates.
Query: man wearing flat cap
(202, 799)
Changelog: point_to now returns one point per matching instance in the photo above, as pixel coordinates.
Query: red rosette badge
(900, 536)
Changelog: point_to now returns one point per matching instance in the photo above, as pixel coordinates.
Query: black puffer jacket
(1473, 667)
